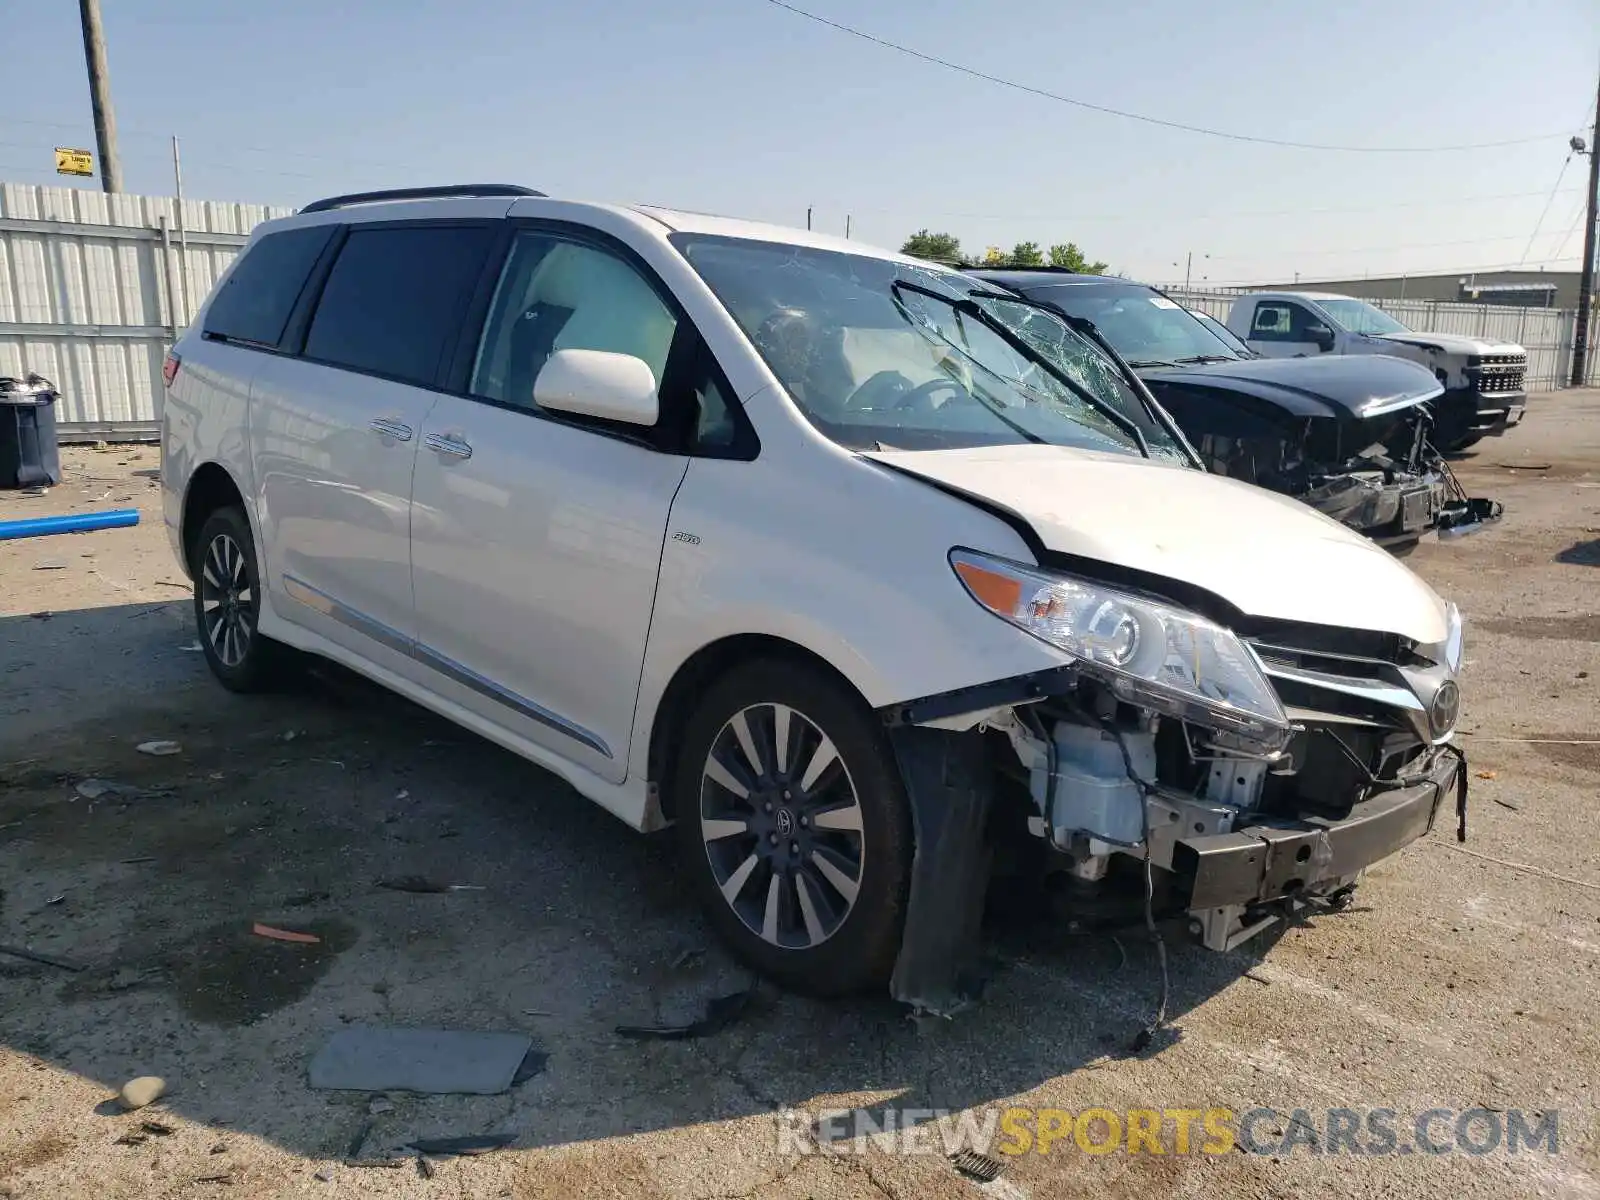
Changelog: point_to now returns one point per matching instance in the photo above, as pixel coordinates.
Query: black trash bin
(29, 455)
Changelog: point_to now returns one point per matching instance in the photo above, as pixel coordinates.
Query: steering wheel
(920, 398)
(894, 392)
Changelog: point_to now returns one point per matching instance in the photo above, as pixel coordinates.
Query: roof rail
(420, 193)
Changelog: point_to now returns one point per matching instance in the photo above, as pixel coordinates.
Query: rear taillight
(169, 369)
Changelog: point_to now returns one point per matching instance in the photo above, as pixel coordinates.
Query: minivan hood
(1363, 385)
(1450, 343)
(1267, 555)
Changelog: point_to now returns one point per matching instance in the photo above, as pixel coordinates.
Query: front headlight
(1149, 653)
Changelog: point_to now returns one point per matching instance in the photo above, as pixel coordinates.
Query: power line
(1481, 241)
(1149, 120)
(1452, 202)
(1583, 208)
(1537, 225)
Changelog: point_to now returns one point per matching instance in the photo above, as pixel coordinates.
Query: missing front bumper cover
(1267, 862)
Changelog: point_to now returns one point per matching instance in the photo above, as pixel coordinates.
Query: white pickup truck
(1484, 382)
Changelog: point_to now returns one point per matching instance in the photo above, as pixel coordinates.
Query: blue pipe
(115, 518)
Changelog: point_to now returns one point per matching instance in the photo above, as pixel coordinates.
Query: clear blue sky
(738, 107)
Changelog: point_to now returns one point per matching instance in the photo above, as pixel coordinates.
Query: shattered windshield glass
(1144, 326)
(887, 355)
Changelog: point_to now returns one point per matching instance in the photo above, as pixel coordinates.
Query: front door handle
(385, 427)
(446, 443)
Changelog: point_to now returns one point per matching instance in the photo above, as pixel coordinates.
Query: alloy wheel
(782, 826)
(227, 601)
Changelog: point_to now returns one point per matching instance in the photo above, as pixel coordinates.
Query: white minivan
(872, 580)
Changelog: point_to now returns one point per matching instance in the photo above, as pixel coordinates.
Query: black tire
(861, 933)
(222, 561)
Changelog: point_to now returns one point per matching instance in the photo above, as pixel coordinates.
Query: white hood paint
(1449, 343)
(1268, 555)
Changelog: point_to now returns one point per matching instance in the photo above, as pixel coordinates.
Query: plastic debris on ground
(721, 1011)
(366, 1058)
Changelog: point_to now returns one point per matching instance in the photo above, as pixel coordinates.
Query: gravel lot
(1462, 977)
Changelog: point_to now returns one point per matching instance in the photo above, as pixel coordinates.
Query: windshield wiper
(966, 306)
(1207, 358)
(1152, 362)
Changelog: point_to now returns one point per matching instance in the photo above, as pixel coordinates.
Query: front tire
(794, 827)
(227, 605)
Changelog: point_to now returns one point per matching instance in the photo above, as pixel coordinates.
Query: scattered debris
(225, 1179)
(1251, 975)
(1527, 868)
(50, 564)
(1488, 774)
(193, 648)
(48, 960)
(976, 1165)
(159, 748)
(359, 1140)
(424, 886)
(380, 1163)
(1511, 804)
(284, 935)
(692, 957)
(481, 1143)
(379, 1105)
(220, 1148)
(290, 735)
(137, 1093)
(721, 1011)
(366, 1058)
(533, 1063)
(93, 789)
(157, 1129)
(56, 899)
(424, 1167)
(144, 858)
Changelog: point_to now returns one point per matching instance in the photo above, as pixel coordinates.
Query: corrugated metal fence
(87, 286)
(1546, 333)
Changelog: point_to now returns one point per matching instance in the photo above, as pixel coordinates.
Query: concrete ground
(1464, 976)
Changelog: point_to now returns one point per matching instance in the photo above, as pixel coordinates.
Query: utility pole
(1188, 264)
(1580, 335)
(105, 118)
(183, 237)
(808, 217)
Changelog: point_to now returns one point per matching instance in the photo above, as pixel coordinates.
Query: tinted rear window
(255, 301)
(394, 298)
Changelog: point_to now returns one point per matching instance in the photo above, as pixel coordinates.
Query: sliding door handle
(385, 427)
(450, 444)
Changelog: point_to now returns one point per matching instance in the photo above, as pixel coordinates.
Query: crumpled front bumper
(1282, 860)
(1386, 512)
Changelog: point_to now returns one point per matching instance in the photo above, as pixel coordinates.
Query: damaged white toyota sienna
(874, 582)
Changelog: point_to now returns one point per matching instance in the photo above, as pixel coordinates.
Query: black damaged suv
(1348, 435)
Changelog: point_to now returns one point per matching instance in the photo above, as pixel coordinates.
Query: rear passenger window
(394, 298)
(255, 302)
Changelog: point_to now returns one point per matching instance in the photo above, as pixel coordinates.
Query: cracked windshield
(890, 356)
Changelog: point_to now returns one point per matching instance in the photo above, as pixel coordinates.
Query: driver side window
(1282, 321)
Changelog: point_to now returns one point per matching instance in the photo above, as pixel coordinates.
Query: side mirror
(1321, 335)
(598, 383)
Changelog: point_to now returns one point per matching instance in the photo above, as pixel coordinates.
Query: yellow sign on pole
(73, 162)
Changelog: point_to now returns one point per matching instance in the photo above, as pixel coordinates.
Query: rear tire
(802, 857)
(227, 605)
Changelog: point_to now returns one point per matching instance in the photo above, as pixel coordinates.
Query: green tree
(1026, 254)
(939, 247)
(1071, 258)
(996, 257)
